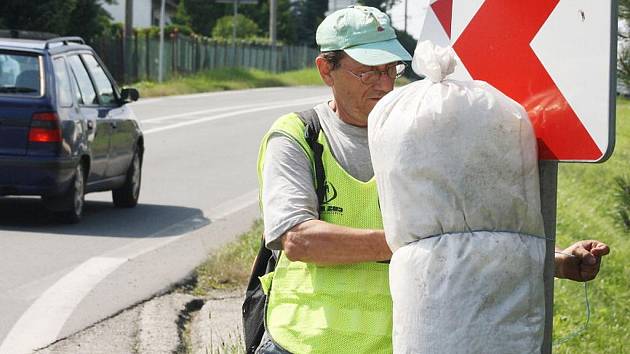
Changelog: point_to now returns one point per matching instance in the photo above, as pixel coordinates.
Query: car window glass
(75, 88)
(20, 74)
(64, 94)
(104, 88)
(83, 79)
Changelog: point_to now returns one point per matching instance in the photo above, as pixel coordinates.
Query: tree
(84, 18)
(88, 20)
(245, 27)
(45, 15)
(309, 14)
(181, 15)
(285, 19)
(204, 15)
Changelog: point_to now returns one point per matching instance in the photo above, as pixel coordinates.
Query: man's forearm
(319, 242)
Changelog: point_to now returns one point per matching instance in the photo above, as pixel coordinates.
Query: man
(330, 289)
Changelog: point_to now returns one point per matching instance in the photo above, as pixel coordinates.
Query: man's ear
(325, 69)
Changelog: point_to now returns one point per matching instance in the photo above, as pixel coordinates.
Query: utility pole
(405, 16)
(161, 49)
(234, 21)
(273, 26)
(234, 29)
(128, 18)
(127, 36)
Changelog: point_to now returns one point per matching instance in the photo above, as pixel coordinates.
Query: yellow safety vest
(330, 309)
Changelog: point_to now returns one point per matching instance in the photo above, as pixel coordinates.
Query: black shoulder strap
(311, 133)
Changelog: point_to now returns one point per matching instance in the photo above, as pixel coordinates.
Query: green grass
(230, 267)
(227, 79)
(586, 210)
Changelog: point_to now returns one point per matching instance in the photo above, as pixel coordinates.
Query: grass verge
(229, 267)
(227, 79)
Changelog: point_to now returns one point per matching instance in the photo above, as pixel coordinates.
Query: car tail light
(44, 128)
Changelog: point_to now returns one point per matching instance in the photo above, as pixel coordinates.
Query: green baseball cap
(364, 33)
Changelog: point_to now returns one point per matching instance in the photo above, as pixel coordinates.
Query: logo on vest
(331, 194)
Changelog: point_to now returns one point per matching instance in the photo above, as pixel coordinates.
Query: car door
(123, 136)
(98, 124)
(67, 103)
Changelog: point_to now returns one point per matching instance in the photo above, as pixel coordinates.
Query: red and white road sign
(555, 57)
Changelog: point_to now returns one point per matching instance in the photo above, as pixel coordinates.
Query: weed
(622, 198)
(228, 268)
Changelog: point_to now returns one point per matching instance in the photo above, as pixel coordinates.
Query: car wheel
(127, 195)
(73, 200)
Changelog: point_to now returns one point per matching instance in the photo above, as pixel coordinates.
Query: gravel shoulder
(171, 323)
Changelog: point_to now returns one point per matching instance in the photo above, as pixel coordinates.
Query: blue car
(65, 126)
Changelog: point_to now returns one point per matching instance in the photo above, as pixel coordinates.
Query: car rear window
(20, 74)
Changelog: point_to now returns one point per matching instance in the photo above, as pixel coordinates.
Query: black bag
(255, 300)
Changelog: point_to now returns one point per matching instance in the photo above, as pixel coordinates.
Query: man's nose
(385, 82)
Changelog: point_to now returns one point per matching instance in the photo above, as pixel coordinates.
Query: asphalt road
(198, 191)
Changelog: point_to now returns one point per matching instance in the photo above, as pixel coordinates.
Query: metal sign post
(548, 171)
(557, 58)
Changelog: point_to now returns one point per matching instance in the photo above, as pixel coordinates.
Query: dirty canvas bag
(457, 175)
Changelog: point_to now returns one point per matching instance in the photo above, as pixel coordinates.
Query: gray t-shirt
(288, 195)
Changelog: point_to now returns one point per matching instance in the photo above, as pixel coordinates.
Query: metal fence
(137, 58)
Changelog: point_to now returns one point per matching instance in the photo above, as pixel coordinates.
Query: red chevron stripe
(495, 47)
(443, 10)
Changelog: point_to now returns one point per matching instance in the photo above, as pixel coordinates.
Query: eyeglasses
(371, 77)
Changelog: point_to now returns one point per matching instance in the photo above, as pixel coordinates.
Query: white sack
(453, 156)
(457, 174)
(479, 293)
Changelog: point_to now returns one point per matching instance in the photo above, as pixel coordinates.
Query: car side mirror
(129, 95)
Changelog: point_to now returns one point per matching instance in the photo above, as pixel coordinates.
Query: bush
(245, 27)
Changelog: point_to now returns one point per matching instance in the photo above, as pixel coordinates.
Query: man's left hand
(580, 261)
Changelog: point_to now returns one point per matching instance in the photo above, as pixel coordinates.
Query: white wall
(141, 12)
